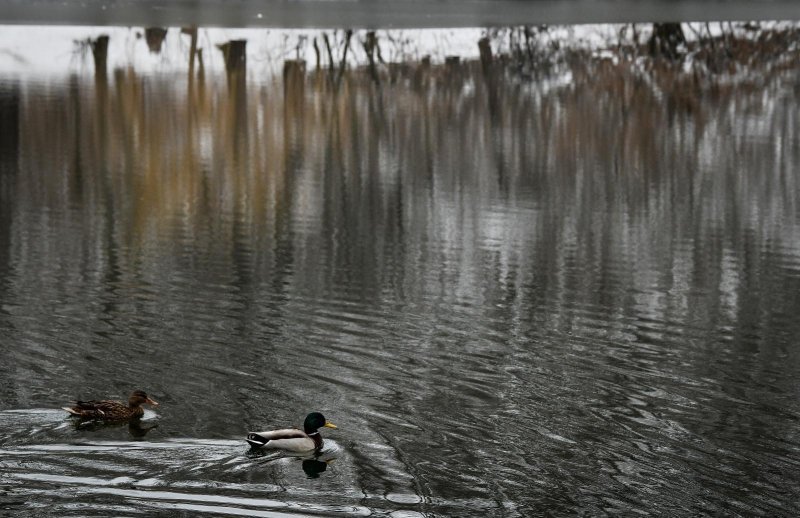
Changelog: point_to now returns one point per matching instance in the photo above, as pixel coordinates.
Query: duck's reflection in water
(312, 463)
(313, 467)
(136, 428)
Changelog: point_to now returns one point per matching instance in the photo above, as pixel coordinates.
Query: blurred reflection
(136, 428)
(367, 163)
(9, 128)
(313, 467)
(313, 464)
(154, 36)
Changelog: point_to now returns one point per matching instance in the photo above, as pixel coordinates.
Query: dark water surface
(386, 13)
(567, 296)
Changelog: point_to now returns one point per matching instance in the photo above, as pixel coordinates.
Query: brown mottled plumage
(109, 410)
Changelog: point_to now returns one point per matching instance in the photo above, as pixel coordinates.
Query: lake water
(577, 295)
(387, 13)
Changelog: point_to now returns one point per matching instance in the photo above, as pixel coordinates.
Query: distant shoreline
(380, 14)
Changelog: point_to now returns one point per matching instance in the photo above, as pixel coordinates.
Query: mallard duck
(108, 410)
(292, 439)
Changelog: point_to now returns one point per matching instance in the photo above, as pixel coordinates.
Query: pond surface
(383, 14)
(570, 296)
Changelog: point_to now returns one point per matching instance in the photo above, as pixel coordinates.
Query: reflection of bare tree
(610, 119)
(192, 33)
(373, 52)
(154, 37)
(666, 39)
(9, 129)
(100, 54)
(235, 54)
(337, 67)
(10, 100)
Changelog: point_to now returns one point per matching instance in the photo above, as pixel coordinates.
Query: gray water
(519, 298)
(381, 14)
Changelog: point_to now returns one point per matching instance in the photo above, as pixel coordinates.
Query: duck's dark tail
(255, 440)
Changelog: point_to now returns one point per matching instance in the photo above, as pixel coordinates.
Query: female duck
(108, 410)
(292, 439)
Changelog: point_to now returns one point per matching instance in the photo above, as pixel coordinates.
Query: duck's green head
(314, 421)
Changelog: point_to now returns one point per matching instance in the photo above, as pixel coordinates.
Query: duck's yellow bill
(151, 402)
(328, 424)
